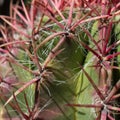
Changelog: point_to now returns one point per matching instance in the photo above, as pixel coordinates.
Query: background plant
(61, 60)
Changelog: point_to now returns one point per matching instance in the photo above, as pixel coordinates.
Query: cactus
(61, 60)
